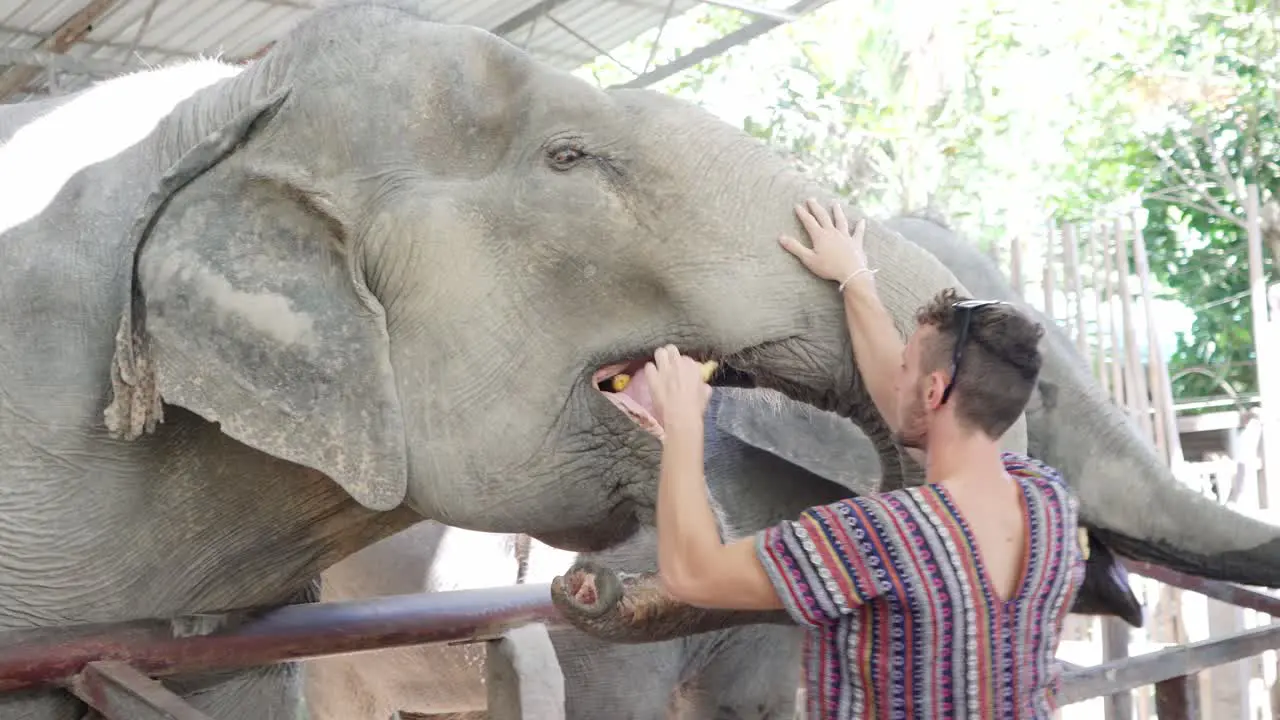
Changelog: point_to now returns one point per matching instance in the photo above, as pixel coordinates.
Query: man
(940, 601)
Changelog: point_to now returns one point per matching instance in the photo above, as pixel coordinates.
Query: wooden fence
(1095, 281)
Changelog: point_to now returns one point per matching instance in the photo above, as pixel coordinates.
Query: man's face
(913, 391)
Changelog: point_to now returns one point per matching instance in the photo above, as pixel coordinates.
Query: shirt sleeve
(826, 562)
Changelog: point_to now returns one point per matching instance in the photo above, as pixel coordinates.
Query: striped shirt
(927, 635)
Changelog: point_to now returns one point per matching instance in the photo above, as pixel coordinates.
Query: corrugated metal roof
(571, 34)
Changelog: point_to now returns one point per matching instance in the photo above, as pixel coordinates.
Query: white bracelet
(855, 274)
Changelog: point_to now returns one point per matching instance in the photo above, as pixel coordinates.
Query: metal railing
(113, 667)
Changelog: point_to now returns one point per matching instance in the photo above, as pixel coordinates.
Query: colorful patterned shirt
(927, 635)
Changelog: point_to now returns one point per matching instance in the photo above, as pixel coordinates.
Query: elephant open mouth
(626, 386)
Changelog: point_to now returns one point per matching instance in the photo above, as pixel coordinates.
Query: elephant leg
(622, 682)
(745, 673)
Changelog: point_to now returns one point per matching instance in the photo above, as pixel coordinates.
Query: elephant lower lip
(633, 400)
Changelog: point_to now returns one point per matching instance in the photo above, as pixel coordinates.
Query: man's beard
(914, 431)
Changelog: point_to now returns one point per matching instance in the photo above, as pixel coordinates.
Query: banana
(709, 369)
(619, 382)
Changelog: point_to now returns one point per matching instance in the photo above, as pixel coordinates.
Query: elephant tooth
(620, 382)
(1083, 536)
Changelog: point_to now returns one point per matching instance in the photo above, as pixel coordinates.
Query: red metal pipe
(248, 638)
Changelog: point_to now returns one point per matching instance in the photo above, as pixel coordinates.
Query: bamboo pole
(1159, 420)
(1047, 258)
(1015, 267)
(1117, 371)
(1263, 352)
(1095, 269)
(1138, 400)
(1072, 259)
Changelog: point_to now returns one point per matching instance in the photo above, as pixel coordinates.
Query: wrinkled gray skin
(304, 306)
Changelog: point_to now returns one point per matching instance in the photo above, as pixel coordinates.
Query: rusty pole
(249, 638)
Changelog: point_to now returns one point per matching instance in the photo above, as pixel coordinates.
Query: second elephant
(749, 672)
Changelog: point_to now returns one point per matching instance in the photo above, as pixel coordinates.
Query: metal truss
(46, 68)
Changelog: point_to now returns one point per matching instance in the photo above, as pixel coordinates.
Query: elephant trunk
(637, 609)
(1131, 500)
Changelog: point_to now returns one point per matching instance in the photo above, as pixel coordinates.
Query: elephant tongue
(638, 392)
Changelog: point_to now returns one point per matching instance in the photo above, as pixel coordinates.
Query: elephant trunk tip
(626, 608)
(587, 591)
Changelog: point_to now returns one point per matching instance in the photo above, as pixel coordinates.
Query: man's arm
(877, 347)
(695, 567)
(837, 255)
(811, 567)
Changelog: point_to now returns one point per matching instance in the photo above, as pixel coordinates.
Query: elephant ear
(821, 442)
(248, 307)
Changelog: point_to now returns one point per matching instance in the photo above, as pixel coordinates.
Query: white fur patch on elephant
(42, 156)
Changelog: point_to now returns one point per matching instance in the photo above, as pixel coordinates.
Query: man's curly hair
(999, 366)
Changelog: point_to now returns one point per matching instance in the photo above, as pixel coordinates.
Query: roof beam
(750, 9)
(527, 15)
(45, 60)
(70, 32)
(738, 37)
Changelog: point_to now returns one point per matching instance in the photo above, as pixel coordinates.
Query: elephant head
(409, 257)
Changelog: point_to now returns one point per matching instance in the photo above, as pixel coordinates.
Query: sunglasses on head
(964, 313)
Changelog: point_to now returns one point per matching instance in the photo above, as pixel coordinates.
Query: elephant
(259, 317)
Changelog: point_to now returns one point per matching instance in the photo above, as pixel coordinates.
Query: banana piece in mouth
(619, 382)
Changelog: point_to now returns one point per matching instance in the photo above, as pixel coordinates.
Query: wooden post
(1118, 388)
(1071, 257)
(1015, 267)
(1161, 387)
(1135, 380)
(1269, 409)
(1159, 420)
(1115, 646)
(1178, 698)
(1048, 272)
(1095, 268)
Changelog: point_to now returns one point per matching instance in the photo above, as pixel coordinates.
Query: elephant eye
(566, 156)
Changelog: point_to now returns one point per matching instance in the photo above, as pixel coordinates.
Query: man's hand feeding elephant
(695, 567)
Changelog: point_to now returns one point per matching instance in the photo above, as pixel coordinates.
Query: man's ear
(936, 385)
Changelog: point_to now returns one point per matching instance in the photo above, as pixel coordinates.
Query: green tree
(1216, 129)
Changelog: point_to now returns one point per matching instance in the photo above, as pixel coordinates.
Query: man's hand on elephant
(836, 254)
(680, 395)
